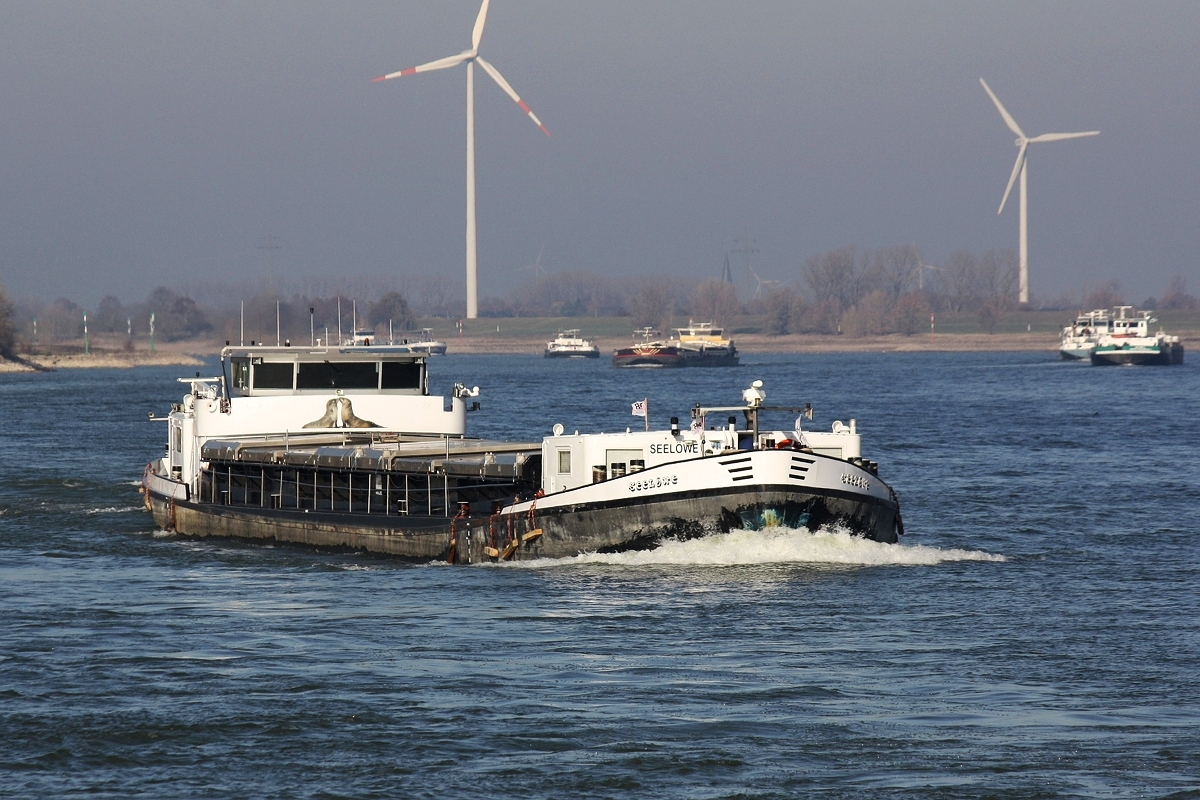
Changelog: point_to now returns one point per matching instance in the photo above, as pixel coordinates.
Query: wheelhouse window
(338, 375)
(273, 375)
(240, 374)
(564, 462)
(401, 375)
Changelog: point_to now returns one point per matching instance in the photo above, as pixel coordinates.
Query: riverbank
(489, 343)
(96, 360)
(797, 343)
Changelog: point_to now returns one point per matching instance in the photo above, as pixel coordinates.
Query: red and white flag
(639, 408)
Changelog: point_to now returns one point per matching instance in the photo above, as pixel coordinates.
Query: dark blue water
(1034, 635)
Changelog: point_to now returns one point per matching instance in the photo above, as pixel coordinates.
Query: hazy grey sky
(147, 143)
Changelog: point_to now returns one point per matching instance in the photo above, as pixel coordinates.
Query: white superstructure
(569, 344)
(1129, 341)
(1080, 337)
(280, 392)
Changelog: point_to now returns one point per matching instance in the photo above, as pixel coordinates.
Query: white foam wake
(779, 546)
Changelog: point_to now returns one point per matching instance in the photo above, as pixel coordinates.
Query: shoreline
(757, 344)
(747, 344)
(46, 362)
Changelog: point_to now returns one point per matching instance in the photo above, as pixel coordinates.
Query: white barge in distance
(345, 448)
(569, 344)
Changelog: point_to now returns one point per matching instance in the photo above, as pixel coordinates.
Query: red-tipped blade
(441, 63)
(503, 84)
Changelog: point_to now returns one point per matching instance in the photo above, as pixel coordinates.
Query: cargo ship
(1079, 339)
(344, 447)
(1129, 342)
(694, 345)
(569, 344)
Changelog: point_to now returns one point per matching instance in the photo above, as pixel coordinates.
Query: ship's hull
(674, 357)
(1164, 355)
(713, 358)
(595, 353)
(633, 512)
(649, 356)
(1068, 353)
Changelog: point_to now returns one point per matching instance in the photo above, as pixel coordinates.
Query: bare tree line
(846, 290)
(859, 292)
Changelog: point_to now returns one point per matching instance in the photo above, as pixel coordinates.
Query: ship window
(338, 375)
(273, 376)
(241, 373)
(564, 462)
(620, 461)
(401, 375)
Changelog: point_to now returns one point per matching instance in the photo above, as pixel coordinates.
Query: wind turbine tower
(471, 58)
(1021, 167)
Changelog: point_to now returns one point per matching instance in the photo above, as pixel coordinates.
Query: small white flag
(697, 424)
(639, 408)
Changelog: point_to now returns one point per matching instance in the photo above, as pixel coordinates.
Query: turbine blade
(1056, 137)
(477, 33)
(441, 63)
(499, 79)
(1008, 120)
(1012, 178)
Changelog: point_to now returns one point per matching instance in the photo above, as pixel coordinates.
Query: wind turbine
(921, 267)
(1020, 166)
(471, 57)
(536, 267)
(770, 284)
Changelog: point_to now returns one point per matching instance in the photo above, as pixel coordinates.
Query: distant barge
(345, 448)
(1129, 342)
(694, 345)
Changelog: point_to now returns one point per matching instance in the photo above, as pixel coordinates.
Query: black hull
(551, 533)
(674, 357)
(627, 525)
(1166, 356)
(709, 360)
(558, 354)
(669, 357)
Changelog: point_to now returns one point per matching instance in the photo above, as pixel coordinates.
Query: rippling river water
(1034, 634)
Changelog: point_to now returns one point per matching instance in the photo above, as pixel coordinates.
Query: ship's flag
(640, 408)
(697, 423)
